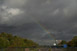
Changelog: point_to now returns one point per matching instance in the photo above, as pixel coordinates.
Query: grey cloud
(58, 16)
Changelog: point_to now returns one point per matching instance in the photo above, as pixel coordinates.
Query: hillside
(8, 40)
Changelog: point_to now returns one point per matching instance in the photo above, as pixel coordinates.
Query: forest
(8, 40)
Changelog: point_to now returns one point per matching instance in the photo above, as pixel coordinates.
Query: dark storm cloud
(20, 16)
(1, 2)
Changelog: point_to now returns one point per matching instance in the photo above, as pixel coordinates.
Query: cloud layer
(57, 16)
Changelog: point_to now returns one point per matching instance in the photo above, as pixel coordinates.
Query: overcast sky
(20, 17)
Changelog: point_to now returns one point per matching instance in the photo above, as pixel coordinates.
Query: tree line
(8, 40)
(71, 43)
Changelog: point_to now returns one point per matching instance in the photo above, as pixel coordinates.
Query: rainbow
(44, 28)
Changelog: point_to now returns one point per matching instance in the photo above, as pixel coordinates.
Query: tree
(3, 34)
(17, 42)
(73, 42)
(62, 42)
(30, 43)
(4, 42)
